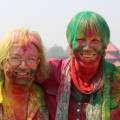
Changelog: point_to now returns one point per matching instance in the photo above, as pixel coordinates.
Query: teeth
(88, 55)
(22, 74)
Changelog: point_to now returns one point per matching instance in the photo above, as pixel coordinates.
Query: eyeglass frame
(19, 61)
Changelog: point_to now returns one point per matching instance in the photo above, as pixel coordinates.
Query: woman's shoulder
(115, 86)
(109, 66)
(56, 65)
(39, 94)
(56, 62)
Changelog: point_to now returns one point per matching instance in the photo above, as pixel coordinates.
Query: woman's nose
(86, 46)
(23, 64)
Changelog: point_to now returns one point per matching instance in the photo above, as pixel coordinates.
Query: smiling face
(89, 48)
(88, 35)
(21, 64)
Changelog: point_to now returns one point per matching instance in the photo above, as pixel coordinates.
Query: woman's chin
(89, 61)
(22, 82)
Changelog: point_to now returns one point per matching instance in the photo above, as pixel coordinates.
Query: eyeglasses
(31, 62)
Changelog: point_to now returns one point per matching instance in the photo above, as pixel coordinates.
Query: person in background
(21, 53)
(84, 86)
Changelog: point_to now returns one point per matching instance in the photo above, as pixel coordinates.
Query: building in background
(113, 54)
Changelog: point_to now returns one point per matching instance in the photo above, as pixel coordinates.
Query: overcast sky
(51, 17)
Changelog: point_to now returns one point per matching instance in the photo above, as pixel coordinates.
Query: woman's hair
(88, 20)
(22, 37)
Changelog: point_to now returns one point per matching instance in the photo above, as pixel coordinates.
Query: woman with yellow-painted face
(21, 53)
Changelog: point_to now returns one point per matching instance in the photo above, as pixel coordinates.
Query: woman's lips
(22, 74)
(88, 55)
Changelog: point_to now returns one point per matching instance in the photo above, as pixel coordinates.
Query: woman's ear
(1, 65)
(104, 50)
(71, 46)
(71, 50)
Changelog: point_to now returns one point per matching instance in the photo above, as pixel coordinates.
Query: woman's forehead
(88, 33)
(17, 48)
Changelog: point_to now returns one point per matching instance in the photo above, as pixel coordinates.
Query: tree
(55, 52)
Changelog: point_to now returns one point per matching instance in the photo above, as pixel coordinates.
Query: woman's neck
(17, 93)
(87, 72)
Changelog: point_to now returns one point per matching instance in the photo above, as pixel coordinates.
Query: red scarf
(83, 86)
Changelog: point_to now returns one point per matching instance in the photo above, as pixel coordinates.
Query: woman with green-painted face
(82, 87)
